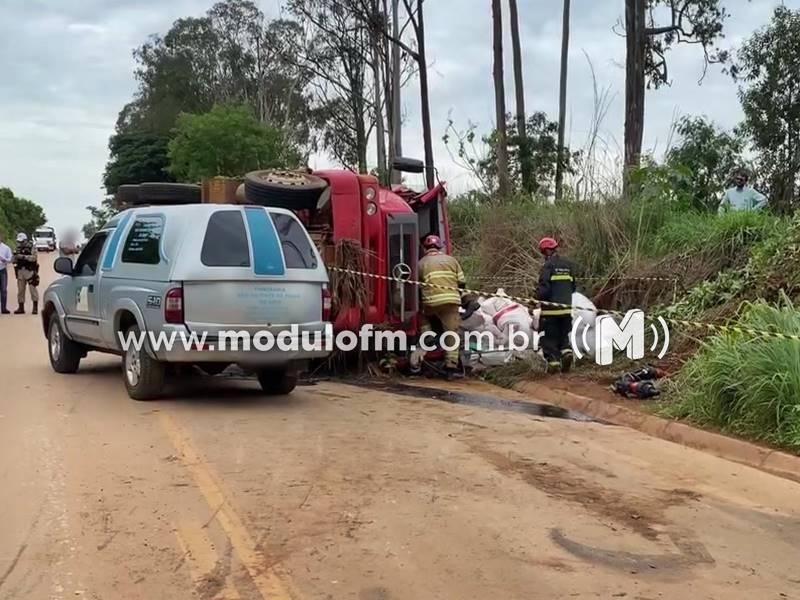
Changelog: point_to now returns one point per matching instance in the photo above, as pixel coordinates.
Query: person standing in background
(27, 267)
(742, 197)
(5, 259)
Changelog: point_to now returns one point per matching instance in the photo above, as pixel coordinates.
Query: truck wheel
(144, 376)
(293, 190)
(169, 193)
(278, 382)
(128, 195)
(65, 355)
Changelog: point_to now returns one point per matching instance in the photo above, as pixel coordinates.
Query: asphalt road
(338, 491)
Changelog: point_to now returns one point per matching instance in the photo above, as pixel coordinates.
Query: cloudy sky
(66, 70)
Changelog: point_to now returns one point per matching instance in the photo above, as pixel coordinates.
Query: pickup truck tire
(293, 190)
(169, 193)
(65, 355)
(144, 376)
(278, 382)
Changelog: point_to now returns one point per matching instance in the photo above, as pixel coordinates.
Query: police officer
(26, 265)
(441, 297)
(556, 285)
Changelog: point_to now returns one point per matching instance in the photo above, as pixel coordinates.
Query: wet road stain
(477, 400)
(691, 553)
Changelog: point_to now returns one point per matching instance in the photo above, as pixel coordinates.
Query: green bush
(744, 384)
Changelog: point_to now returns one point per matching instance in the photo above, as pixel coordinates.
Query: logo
(401, 272)
(604, 335)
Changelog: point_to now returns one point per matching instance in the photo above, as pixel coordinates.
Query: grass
(745, 385)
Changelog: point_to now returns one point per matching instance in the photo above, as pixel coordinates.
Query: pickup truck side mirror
(63, 266)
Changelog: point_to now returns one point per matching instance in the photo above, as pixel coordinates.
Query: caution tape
(602, 277)
(522, 300)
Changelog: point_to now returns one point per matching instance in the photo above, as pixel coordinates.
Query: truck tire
(169, 193)
(293, 190)
(278, 382)
(128, 195)
(65, 355)
(144, 376)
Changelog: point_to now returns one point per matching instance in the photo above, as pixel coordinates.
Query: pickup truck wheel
(144, 376)
(277, 382)
(65, 355)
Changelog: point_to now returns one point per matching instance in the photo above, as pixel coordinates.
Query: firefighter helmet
(432, 241)
(547, 244)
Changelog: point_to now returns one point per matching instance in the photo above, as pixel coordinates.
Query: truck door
(81, 302)
(403, 233)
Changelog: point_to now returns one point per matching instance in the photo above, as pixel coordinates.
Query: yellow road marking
(203, 560)
(264, 577)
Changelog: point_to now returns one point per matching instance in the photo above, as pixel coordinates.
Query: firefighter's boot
(567, 358)
(20, 310)
(35, 310)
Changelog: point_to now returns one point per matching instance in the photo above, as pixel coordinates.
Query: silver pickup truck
(201, 270)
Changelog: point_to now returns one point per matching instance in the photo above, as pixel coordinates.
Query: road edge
(774, 462)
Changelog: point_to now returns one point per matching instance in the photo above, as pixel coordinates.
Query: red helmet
(547, 244)
(432, 241)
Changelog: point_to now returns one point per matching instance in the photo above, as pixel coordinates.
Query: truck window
(298, 253)
(87, 261)
(144, 241)
(225, 244)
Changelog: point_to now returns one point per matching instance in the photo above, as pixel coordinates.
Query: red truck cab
(389, 225)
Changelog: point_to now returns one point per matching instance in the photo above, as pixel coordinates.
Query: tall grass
(746, 385)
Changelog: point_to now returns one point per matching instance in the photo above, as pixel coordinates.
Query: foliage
(19, 215)
(227, 141)
(336, 53)
(732, 233)
(670, 23)
(100, 216)
(747, 385)
(480, 157)
(767, 67)
(230, 55)
(710, 154)
(6, 230)
(136, 157)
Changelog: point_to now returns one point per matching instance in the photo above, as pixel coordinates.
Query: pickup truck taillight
(173, 306)
(326, 304)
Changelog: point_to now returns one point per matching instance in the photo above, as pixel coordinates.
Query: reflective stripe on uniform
(561, 278)
(556, 312)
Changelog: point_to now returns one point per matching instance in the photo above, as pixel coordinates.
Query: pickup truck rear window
(225, 244)
(297, 250)
(143, 244)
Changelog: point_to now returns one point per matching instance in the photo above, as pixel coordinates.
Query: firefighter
(441, 297)
(556, 285)
(26, 264)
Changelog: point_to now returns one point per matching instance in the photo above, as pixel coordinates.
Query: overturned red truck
(387, 224)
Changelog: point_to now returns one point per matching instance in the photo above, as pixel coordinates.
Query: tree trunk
(636, 43)
(503, 179)
(522, 134)
(380, 124)
(562, 103)
(427, 132)
(396, 110)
